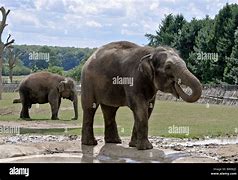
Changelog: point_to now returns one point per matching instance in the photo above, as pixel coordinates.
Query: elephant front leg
(133, 141)
(142, 135)
(111, 132)
(54, 110)
(140, 130)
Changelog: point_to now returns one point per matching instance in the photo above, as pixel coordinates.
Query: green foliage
(56, 70)
(66, 57)
(200, 64)
(169, 28)
(17, 71)
(231, 70)
(75, 73)
(215, 40)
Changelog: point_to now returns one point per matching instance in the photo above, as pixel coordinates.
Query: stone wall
(213, 94)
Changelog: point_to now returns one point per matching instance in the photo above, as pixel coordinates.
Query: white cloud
(154, 6)
(98, 21)
(24, 18)
(195, 11)
(130, 32)
(94, 24)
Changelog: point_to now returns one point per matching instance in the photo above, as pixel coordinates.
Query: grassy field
(166, 119)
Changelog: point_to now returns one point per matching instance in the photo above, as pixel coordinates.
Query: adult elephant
(125, 74)
(45, 87)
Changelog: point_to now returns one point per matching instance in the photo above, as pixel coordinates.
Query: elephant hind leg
(25, 107)
(111, 132)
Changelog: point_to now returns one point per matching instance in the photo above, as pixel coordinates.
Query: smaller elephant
(45, 87)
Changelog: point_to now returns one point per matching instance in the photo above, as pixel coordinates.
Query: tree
(168, 30)
(224, 37)
(213, 40)
(3, 45)
(231, 70)
(56, 70)
(75, 73)
(185, 41)
(202, 65)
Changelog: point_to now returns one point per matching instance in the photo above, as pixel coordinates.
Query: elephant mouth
(174, 91)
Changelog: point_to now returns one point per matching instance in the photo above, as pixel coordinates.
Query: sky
(93, 23)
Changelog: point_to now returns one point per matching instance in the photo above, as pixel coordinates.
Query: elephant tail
(16, 101)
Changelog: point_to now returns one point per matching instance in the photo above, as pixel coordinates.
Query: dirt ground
(67, 148)
(59, 149)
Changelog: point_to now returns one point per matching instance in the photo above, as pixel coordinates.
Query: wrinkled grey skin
(45, 87)
(152, 69)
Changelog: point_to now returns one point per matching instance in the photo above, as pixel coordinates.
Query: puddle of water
(128, 160)
(166, 158)
(103, 158)
(219, 141)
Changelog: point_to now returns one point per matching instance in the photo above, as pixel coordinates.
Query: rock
(8, 151)
(73, 137)
(179, 148)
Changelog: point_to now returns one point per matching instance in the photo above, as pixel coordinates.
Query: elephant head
(67, 90)
(167, 71)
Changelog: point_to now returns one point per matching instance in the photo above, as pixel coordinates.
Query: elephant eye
(167, 67)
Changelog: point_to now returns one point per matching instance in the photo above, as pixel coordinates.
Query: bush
(17, 71)
(56, 70)
(75, 73)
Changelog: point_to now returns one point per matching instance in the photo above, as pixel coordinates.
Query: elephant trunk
(75, 103)
(188, 79)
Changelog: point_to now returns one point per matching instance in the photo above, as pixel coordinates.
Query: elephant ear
(146, 66)
(70, 83)
(61, 86)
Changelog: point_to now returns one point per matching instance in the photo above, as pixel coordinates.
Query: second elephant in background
(45, 87)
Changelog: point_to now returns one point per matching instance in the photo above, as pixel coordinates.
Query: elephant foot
(25, 118)
(116, 140)
(90, 142)
(132, 143)
(143, 145)
(54, 118)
